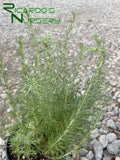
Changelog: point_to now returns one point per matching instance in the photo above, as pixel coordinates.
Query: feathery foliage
(48, 116)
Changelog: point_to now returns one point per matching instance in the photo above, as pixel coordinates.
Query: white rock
(103, 130)
(105, 121)
(118, 142)
(91, 144)
(2, 142)
(111, 137)
(78, 94)
(103, 140)
(70, 64)
(111, 124)
(82, 92)
(116, 111)
(4, 155)
(3, 96)
(107, 158)
(98, 150)
(117, 94)
(94, 134)
(9, 110)
(1, 152)
(113, 148)
(118, 100)
(90, 155)
(109, 114)
(83, 158)
(109, 109)
(113, 83)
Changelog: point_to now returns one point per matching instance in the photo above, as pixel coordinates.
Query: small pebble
(3, 96)
(83, 158)
(103, 140)
(9, 110)
(94, 134)
(118, 142)
(111, 137)
(2, 142)
(107, 158)
(111, 124)
(90, 155)
(113, 148)
(116, 111)
(98, 150)
(4, 155)
(103, 130)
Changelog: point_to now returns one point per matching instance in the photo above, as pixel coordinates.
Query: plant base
(11, 156)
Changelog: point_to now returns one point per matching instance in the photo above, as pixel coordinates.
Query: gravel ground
(93, 17)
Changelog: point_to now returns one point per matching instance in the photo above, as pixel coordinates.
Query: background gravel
(93, 17)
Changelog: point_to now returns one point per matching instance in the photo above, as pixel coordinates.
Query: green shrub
(48, 116)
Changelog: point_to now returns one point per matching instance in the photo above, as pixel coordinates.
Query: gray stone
(117, 125)
(114, 118)
(83, 158)
(113, 148)
(105, 121)
(103, 140)
(103, 130)
(107, 158)
(94, 134)
(109, 114)
(78, 94)
(83, 152)
(4, 155)
(113, 83)
(111, 137)
(117, 158)
(91, 144)
(118, 142)
(2, 142)
(118, 100)
(3, 95)
(111, 124)
(98, 125)
(109, 109)
(102, 117)
(90, 155)
(98, 150)
(116, 111)
(1, 151)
